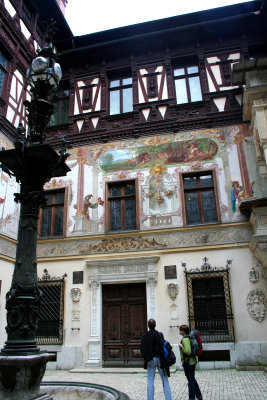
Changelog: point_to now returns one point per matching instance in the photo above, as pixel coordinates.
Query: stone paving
(215, 385)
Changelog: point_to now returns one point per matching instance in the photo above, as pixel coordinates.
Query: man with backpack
(189, 361)
(153, 353)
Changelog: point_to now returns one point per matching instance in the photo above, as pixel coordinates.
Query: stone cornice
(154, 243)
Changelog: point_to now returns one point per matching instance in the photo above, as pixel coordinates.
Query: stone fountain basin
(80, 391)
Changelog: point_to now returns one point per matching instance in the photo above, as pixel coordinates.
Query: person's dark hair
(151, 323)
(184, 328)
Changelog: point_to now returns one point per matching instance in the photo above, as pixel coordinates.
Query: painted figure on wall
(236, 194)
(87, 204)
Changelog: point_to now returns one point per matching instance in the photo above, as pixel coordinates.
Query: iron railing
(220, 327)
(50, 325)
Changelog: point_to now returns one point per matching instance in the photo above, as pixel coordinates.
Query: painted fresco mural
(157, 163)
(9, 210)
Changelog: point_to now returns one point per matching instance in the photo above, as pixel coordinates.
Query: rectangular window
(26, 14)
(209, 304)
(187, 84)
(50, 324)
(199, 198)
(61, 108)
(120, 96)
(51, 220)
(3, 64)
(121, 204)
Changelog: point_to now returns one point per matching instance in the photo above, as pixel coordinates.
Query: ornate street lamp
(33, 163)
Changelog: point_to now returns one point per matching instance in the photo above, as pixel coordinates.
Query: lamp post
(33, 163)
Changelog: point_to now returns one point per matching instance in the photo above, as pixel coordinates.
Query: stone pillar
(258, 242)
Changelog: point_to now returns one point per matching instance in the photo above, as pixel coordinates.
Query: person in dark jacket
(152, 353)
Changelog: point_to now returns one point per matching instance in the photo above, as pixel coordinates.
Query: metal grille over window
(209, 302)
(50, 325)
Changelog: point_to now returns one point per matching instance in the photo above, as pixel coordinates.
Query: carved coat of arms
(257, 304)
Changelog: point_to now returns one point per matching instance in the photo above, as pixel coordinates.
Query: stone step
(115, 370)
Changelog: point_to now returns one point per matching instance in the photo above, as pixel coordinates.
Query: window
(120, 96)
(61, 108)
(3, 63)
(209, 304)
(51, 220)
(199, 198)
(50, 324)
(26, 14)
(121, 203)
(187, 84)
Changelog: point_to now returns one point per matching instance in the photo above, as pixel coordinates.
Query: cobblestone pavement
(214, 384)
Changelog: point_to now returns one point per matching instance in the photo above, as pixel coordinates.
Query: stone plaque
(77, 277)
(170, 271)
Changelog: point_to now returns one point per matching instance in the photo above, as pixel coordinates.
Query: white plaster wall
(250, 334)
(6, 272)
(74, 351)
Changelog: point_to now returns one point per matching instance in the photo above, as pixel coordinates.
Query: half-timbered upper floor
(156, 77)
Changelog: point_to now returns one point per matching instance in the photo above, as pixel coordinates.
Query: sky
(88, 16)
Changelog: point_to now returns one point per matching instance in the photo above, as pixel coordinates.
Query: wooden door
(124, 323)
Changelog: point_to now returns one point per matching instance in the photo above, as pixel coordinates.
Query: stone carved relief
(172, 290)
(76, 294)
(120, 269)
(256, 304)
(75, 315)
(94, 307)
(128, 243)
(179, 239)
(254, 273)
(174, 312)
(7, 248)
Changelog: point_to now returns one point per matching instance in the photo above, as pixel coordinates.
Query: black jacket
(151, 347)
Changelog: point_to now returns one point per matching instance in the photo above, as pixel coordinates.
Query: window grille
(50, 325)
(209, 302)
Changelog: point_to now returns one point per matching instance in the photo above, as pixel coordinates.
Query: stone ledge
(250, 368)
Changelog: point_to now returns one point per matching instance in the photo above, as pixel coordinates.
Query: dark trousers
(193, 387)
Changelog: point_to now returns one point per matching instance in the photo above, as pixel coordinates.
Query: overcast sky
(87, 16)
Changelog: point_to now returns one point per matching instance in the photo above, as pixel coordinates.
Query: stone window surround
(117, 270)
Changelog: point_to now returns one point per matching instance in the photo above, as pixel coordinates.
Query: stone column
(94, 341)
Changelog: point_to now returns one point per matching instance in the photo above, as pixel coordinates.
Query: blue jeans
(151, 369)
(193, 387)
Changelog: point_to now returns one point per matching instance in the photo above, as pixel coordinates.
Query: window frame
(199, 190)
(120, 88)
(186, 76)
(46, 338)
(123, 197)
(54, 206)
(211, 335)
(4, 69)
(61, 97)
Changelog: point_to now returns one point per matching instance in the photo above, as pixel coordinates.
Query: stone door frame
(117, 271)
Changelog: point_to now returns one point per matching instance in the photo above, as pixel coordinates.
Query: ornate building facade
(164, 211)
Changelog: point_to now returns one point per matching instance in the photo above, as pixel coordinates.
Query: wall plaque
(170, 271)
(77, 277)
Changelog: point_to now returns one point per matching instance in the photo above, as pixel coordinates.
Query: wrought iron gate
(50, 325)
(209, 302)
